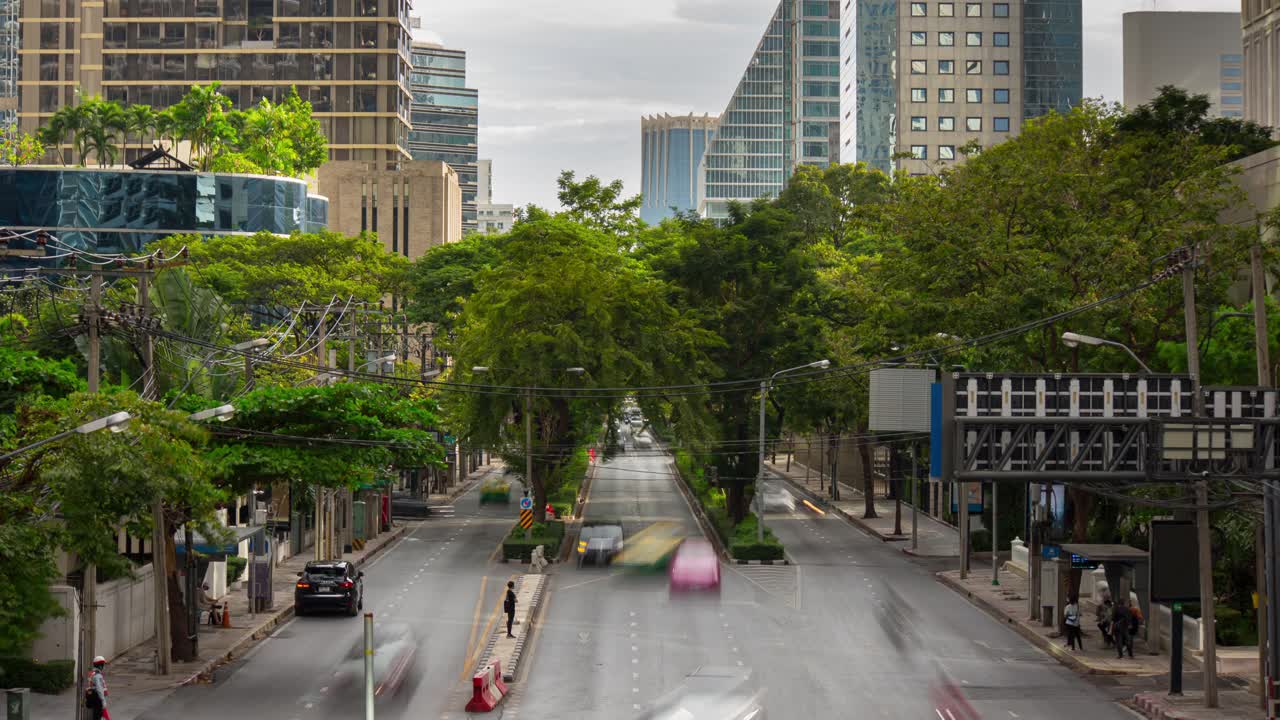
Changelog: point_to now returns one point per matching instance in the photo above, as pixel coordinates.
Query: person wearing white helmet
(95, 696)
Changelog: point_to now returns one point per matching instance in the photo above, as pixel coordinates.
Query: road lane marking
(586, 582)
(475, 617)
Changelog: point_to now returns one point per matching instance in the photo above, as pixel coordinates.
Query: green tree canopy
(445, 276)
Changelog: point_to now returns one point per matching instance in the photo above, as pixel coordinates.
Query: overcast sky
(563, 83)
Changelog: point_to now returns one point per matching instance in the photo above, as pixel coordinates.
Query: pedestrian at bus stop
(1071, 615)
(1122, 628)
(510, 606)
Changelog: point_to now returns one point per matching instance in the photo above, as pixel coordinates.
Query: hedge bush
(49, 678)
(549, 534)
(752, 550)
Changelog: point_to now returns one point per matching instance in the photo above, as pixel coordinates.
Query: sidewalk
(131, 679)
(936, 538)
(1008, 602)
(1232, 705)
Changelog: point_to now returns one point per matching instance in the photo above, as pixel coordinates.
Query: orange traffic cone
(226, 615)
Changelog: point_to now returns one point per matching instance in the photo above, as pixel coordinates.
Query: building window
(1232, 86)
(919, 9)
(1232, 100)
(973, 39)
(1000, 124)
(920, 152)
(973, 9)
(1002, 96)
(946, 39)
(946, 95)
(973, 124)
(946, 124)
(1000, 67)
(1001, 39)
(946, 152)
(1000, 10)
(973, 67)
(1231, 72)
(918, 38)
(919, 123)
(973, 95)
(919, 95)
(946, 9)
(919, 67)
(946, 67)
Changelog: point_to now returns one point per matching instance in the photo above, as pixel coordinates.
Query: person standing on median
(510, 606)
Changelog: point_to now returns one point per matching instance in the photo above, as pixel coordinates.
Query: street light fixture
(238, 347)
(222, 413)
(764, 392)
(1071, 340)
(251, 344)
(116, 422)
(378, 361)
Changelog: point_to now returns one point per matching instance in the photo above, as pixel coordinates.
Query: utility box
(17, 704)
(358, 530)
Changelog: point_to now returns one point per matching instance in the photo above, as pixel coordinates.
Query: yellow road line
(482, 641)
(475, 616)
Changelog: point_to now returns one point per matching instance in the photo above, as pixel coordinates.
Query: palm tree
(140, 120)
(105, 123)
(53, 133)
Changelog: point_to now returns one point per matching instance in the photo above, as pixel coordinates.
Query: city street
(431, 582)
(610, 643)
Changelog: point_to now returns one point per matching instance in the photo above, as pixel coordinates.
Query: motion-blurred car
(329, 585)
(695, 567)
(598, 544)
(395, 652)
(777, 499)
(712, 693)
(650, 550)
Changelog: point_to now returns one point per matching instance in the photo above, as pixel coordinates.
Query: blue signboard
(1050, 552)
(526, 503)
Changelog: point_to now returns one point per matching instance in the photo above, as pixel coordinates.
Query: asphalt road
(438, 580)
(814, 632)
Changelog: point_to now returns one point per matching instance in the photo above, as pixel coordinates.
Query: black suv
(330, 585)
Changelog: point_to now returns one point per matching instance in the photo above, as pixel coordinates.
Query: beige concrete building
(960, 78)
(412, 208)
(347, 57)
(1261, 22)
(1200, 52)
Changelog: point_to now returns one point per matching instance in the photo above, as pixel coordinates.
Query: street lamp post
(222, 413)
(116, 422)
(1071, 340)
(764, 393)
(243, 347)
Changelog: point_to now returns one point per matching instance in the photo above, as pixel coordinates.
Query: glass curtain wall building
(671, 153)
(347, 57)
(784, 113)
(1052, 56)
(875, 109)
(446, 118)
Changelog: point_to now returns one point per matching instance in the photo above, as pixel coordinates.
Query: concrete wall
(428, 188)
(126, 612)
(58, 635)
(816, 454)
(1183, 49)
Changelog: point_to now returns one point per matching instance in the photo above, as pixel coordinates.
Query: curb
(1048, 646)
(784, 561)
(206, 674)
(512, 667)
(699, 514)
(1152, 707)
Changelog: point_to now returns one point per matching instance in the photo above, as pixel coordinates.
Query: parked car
(598, 544)
(329, 585)
(695, 566)
(777, 499)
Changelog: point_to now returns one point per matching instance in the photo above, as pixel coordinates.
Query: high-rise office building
(10, 40)
(935, 76)
(1200, 52)
(1261, 21)
(491, 217)
(446, 118)
(784, 113)
(671, 149)
(347, 57)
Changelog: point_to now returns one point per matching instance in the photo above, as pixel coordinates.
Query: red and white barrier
(487, 688)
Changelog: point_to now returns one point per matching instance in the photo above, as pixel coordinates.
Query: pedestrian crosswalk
(778, 581)
(438, 512)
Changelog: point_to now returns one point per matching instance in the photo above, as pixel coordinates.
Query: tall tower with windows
(784, 113)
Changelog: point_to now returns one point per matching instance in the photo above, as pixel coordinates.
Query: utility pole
(89, 598)
(995, 532)
(759, 493)
(1268, 581)
(528, 450)
(159, 557)
(1207, 624)
(915, 498)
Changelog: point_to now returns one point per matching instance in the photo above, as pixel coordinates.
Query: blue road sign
(1050, 552)
(526, 503)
